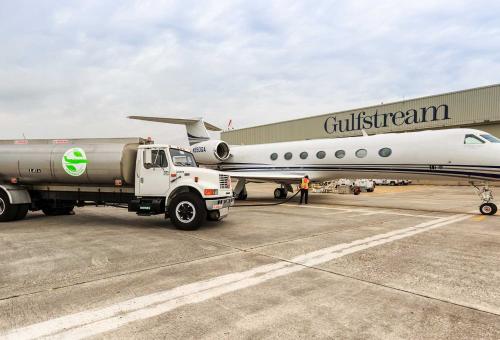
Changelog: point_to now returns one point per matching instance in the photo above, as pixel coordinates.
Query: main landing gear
(240, 191)
(281, 192)
(486, 195)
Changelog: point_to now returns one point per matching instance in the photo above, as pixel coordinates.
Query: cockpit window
(491, 139)
(473, 139)
(182, 158)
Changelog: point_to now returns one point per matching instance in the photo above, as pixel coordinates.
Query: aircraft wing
(251, 176)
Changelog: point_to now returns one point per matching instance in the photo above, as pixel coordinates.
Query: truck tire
(49, 211)
(8, 212)
(22, 211)
(187, 211)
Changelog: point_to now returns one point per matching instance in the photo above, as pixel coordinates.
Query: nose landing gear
(486, 195)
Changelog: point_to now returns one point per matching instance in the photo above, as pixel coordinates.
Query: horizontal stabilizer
(181, 121)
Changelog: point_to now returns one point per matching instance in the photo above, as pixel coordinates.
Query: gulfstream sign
(362, 120)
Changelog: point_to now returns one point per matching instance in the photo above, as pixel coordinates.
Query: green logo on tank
(74, 162)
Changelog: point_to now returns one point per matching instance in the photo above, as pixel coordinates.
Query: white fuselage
(435, 154)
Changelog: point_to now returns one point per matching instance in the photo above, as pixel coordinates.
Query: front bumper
(219, 203)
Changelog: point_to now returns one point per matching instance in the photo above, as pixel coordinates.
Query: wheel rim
(185, 211)
(2, 206)
(487, 209)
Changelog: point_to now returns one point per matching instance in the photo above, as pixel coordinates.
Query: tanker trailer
(54, 176)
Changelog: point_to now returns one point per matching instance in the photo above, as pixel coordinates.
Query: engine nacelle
(211, 152)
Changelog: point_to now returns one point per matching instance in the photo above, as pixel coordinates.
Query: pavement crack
(10, 297)
(405, 291)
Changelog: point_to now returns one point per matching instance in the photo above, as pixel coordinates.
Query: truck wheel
(8, 212)
(66, 211)
(356, 190)
(187, 211)
(22, 211)
(49, 211)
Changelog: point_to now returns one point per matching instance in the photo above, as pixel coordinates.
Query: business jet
(465, 154)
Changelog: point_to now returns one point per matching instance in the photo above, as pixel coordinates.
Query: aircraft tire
(242, 196)
(213, 215)
(280, 193)
(488, 209)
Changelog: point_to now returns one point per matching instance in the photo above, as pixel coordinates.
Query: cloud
(77, 69)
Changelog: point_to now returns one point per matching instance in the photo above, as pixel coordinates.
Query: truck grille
(224, 181)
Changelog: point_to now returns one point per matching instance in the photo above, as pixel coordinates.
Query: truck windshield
(182, 158)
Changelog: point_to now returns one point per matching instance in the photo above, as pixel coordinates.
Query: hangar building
(477, 108)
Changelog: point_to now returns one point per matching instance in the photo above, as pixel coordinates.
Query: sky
(78, 68)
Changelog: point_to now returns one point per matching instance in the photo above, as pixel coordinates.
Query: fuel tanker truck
(54, 176)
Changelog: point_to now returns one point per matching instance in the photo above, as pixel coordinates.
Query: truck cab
(169, 180)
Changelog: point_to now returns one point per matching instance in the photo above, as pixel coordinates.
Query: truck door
(154, 178)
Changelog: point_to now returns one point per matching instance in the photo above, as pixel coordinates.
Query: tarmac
(403, 262)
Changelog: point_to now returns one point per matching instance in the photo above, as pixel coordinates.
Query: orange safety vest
(305, 183)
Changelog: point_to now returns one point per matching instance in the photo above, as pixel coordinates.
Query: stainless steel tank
(74, 161)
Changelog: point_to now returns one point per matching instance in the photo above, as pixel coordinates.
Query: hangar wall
(478, 108)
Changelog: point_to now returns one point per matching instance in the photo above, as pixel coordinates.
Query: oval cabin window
(321, 154)
(340, 154)
(385, 152)
(361, 153)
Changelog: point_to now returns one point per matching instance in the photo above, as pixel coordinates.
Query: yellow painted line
(479, 218)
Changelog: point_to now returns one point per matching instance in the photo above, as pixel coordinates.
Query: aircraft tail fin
(197, 129)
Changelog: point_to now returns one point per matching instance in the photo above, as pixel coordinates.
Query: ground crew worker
(304, 189)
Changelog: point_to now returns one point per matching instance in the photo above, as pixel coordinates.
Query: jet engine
(211, 152)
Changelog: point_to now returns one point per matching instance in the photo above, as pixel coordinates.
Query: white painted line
(339, 212)
(382, 210)
(89, 323)
(368, 213)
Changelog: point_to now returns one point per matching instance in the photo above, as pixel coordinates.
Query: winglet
(364, 133)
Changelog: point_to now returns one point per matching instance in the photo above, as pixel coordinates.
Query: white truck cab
(191, 194)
